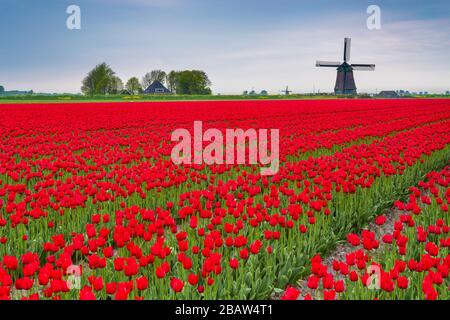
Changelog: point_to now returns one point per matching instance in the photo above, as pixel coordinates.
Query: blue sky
(242, 45)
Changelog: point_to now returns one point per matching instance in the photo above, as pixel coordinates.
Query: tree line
(102, 80)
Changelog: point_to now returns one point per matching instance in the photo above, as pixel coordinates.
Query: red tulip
(10, 262)
(176, 285)
(193, 279)
(234, 263)
(142, 283)
(290, 294)
(86, 294)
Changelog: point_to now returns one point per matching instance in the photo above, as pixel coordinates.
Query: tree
(171, 80)
(155, 75)
(115, 86)
(2, 89)
(133, 85)
(98, 80)
(192, 82)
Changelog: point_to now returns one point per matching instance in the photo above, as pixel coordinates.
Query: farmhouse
(156, 87)
(388, 94)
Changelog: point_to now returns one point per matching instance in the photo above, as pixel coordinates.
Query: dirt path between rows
(340, 252)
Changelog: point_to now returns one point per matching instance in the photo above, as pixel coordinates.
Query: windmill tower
(345, 82)
(286, 91)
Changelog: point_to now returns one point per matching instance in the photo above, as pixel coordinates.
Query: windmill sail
(363, 67)
(347, 46)
(333, 64)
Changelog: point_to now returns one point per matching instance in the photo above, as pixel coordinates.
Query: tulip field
(91, 187)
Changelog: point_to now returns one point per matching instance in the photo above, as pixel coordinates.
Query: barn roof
(388, 91)
(156, 87)
(389, 94)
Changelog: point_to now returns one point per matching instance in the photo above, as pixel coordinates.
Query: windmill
(345, 82)
(286, 91)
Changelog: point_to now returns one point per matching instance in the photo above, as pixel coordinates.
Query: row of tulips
(411, 260)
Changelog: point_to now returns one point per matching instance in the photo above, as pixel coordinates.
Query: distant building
(125, 92)
(388, 94)
(156, 88)
(403, 93)
(3, 92)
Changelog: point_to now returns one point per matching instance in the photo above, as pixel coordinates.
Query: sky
(241, 44)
